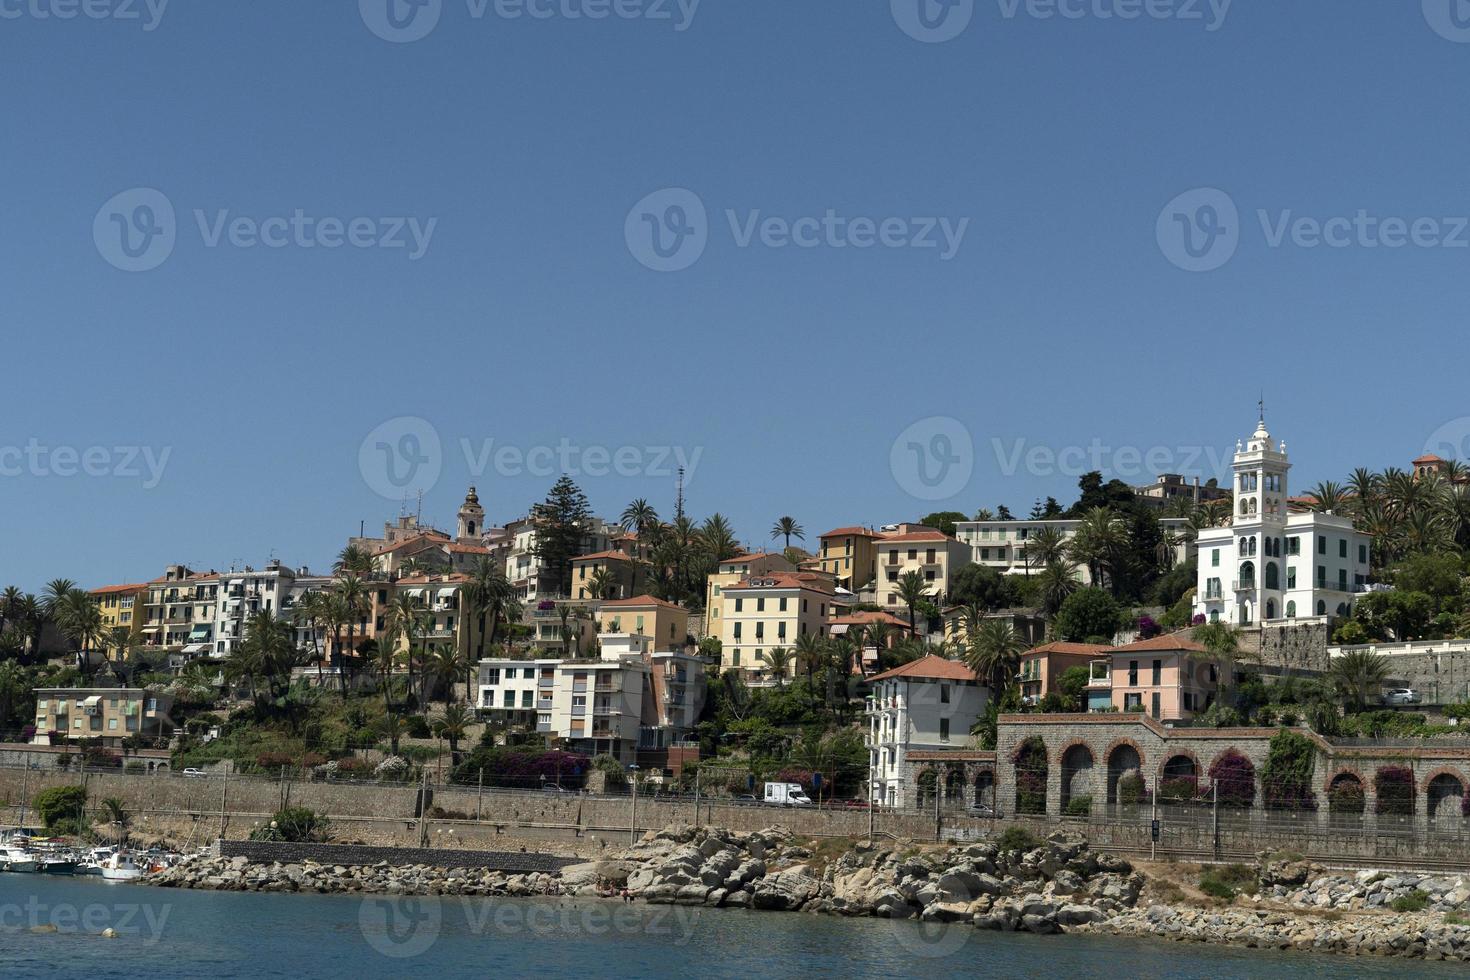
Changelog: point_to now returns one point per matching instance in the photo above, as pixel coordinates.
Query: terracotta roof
(1062, 646)
(108, 589)
(851, 532)
(468, 549)
(455, 579)
(930, 667)
(1427, 458)
(785, 580)
(436, 537)
(864, 617)
(740, 559)
(603, 556)
(919, 536)
(1167, 642)
(639, 600)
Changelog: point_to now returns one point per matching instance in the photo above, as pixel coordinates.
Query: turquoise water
(168, 933)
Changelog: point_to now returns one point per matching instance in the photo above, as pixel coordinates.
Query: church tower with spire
(471, 519)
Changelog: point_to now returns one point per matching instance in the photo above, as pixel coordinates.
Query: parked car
(1401, 695)
(854, 804)
(746, 799)
(194, 774)
(983, 810)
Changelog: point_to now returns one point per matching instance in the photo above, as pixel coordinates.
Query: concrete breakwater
(1058, 886)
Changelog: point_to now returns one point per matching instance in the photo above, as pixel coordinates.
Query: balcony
(546, 682)
(1243, 584)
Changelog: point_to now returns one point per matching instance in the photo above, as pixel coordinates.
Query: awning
(195, 648)
(236, 581)
(93, 701)
(446, 593)
(150, 629)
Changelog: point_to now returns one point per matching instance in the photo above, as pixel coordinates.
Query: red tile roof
(918, 536)
(1062, 646)
(639, 600)
(851, 532)
(742, 559)
(1162, 644)
(434, 537)
(863, 618)
(603, 556)
(785, 580)
(930, 667)
(109, 589)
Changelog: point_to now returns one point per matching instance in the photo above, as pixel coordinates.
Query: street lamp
(633, 828)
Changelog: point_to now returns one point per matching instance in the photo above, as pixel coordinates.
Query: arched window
(1341, 609)
(1321, 608)
(1248, 575)
(1270, 608)
(1291, 609)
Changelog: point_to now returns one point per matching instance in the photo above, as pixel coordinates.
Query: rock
(1076, 915)
(44, 930)
(577, 875)
(1039, 924)
(789, 889)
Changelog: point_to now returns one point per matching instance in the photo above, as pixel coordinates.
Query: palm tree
(995, 653)
(1056, 582)
(81, 621)
(984, 514)
(1358, 675)
(718, 538)
(788, 528)
(118, 818)
(486, 592)
(778, 661)
(56, 592)
(352, 595)
(879, 635)
(1222, 646)
(9, 606)
(269, 651)
(30, 612)
(407, 619)
(1047, 545)
(1099, 543)
(602, 584)
(811, 658)
(354, 560)
(394, 727)
(453, 726)
(912, 590)
(311, 612)
(443, 666)
(639, 516)
(1364, 486)
(1329, 495)
(387, 659)
(14, 690)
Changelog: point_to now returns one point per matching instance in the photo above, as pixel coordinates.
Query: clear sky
(229, 391)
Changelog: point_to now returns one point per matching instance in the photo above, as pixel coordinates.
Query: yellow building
(621, 570)
(934, 555)
(122, 608)
(729, 572)
(665, 623)
(771, 610)
(850, 555)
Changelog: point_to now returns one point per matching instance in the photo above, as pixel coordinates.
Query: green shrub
(1079, 806)
(1228, 881)
(1414, 901)
(294, 824)
(1132, 789)
(60, 802)
(418, 727)
(1017, 839)
(134, 768)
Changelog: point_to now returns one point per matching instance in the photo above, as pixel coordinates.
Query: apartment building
(764, 611)
(1042, 667)
(850, 556)
(935, 556)
(1170, 678)
(108, 714)
(928, 704)
(1004, 545)
(730, 572)
(123, 608)
(625, 575)
(859, 627)
(244, 594)
(666, 624)
(180, 611)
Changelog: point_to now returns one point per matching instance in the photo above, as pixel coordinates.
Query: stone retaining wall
(348, 855)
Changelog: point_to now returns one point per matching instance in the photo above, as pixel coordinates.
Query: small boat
(19, 860)
(121, 867)
(92, 862)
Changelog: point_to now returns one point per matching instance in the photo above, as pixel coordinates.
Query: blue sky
(520, 147)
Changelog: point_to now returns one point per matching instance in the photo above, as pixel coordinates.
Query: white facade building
(242, 595)
(931, 703)
(1272, 564)
(1001, 545)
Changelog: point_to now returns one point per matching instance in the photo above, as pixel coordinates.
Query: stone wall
(261, 852)
(1289, 646)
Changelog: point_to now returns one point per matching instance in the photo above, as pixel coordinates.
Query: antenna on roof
(679, 499)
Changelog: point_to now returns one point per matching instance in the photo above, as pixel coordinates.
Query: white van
(787, 794)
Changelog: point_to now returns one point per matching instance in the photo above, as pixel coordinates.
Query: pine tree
(561, 523)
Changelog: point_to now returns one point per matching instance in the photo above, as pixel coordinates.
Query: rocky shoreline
(1059, 885)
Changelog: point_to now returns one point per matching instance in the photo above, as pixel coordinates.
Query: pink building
(1168, 677)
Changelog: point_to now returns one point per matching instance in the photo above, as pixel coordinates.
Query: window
(1362, 554)
(1342, 548)
(1291, 609)
(760, 604)
(944, 694)
(508, 699)
(1291, 578)
(783, 603)
(944, 729)
(1321, 576)
(738, 603)
(735, 658)
(1158, 673)
(1132, 702)
(737, 632)
(1133, 673)
(1321, 544)
(913, 554)
(1294, 545)
(1215, 557)
(526, 699)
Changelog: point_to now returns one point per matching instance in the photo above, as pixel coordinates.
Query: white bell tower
(1259, 524)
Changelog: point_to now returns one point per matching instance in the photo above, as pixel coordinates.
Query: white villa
(1272, 564)
(930, 703)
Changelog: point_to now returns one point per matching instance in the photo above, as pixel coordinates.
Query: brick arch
(1021, 746)
(1074, 743)
(1118, 743)
(1199, 770)
(1444, 771)
(1346, 771)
